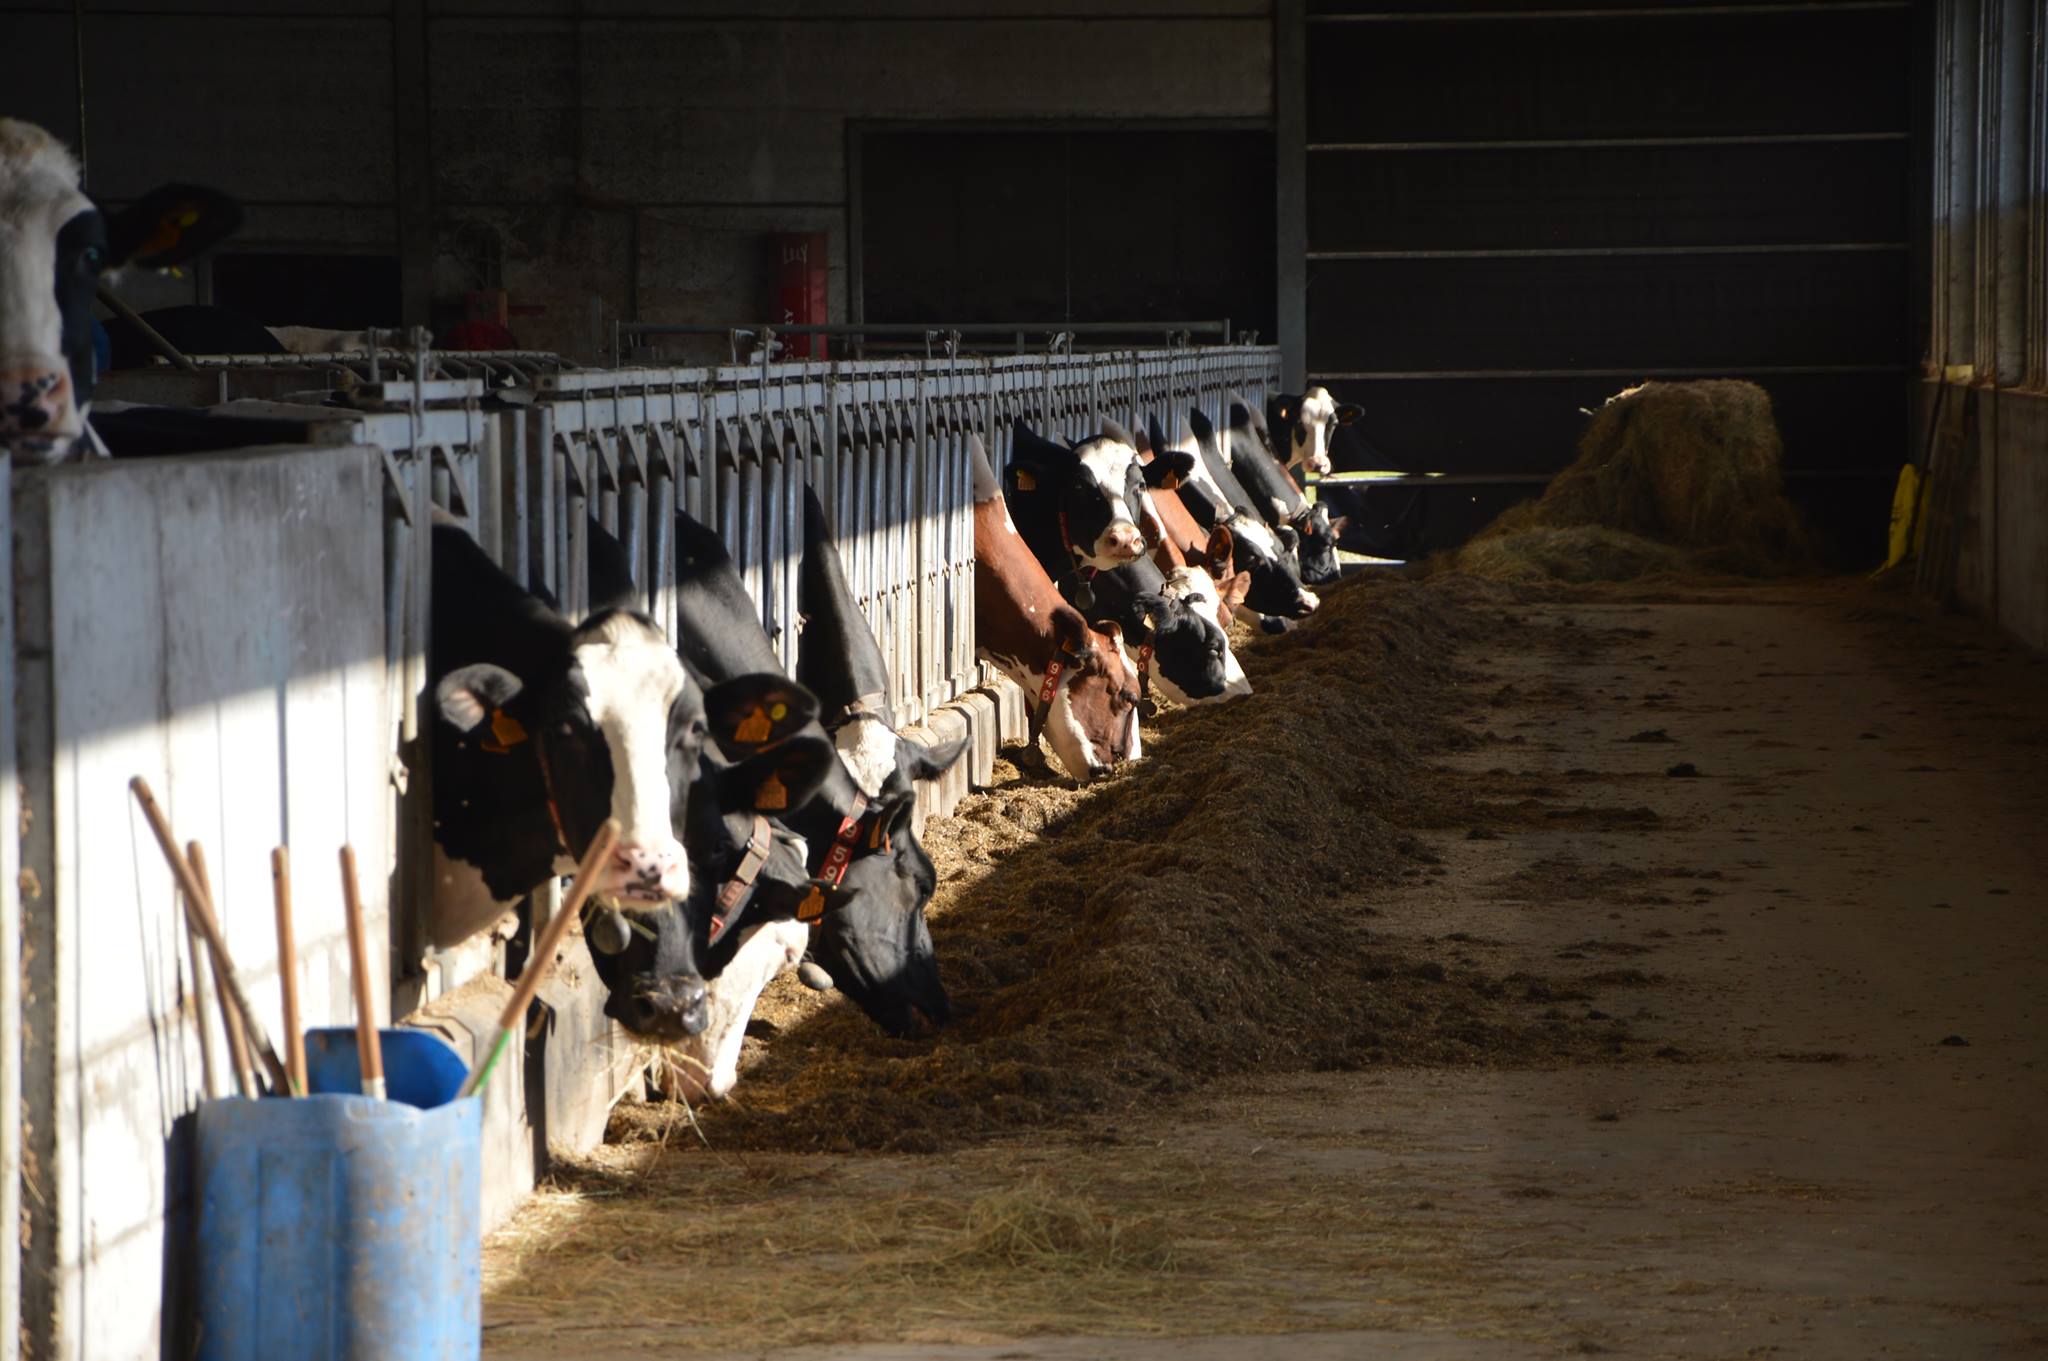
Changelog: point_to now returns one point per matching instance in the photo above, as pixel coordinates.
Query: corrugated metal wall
(1982, 428)
(1516, 209)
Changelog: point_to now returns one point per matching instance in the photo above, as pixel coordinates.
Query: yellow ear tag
(753, 728)
(779, 712)
(1026, 482)
(813, 905)
(506, 733)
(772, 794)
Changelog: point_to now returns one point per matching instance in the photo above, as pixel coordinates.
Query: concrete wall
(1988, 312)
(254, 700)
(580, 149)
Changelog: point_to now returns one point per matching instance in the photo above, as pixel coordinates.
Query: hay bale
(1669, 477)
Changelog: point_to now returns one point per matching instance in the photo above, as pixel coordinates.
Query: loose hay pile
(1206, 913)
(1671, 477)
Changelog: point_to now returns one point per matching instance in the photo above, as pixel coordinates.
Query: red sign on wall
(800, 296)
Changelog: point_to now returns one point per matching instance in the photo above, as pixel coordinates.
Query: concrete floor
(1839, 931)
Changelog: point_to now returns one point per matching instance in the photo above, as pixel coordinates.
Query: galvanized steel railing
(884, 443)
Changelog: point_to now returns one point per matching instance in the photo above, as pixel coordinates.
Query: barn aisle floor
(1789, 840)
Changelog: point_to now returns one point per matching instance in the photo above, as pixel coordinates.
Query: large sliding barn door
(1515, 210)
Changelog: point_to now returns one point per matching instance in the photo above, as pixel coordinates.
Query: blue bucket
(338, 1228)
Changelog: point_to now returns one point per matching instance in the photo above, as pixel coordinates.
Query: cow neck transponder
(838, 860)
(1047, 688)
(1145, 679)
(742, 880)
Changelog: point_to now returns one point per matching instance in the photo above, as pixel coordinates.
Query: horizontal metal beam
(1660, 12)
(1580, 143)
(969, 328)
(1597, 252)
(1711, 371)
(1393, 479)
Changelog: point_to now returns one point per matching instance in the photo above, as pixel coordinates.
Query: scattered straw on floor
(1207, 913)
(1670, 478)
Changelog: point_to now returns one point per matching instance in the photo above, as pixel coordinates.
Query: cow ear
(170, 225)
(1110, 628)
(1150, 607)
(1168, 469)
(467, 695)
(1220, 548)
(750, 712)
(1289, 540)
(1240, 586)
(1023, 475)
(923, 762)
(780, 779)
(1069, 629)
(1338, 525)
(1348, 412)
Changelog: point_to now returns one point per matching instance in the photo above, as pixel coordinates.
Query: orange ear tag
(813, 905)
(875, 836)
(1026, 482)
(754, 727)
(771, 795)
(506, 733)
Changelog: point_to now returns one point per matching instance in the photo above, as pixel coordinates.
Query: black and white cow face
(1191, 653)
(55, 246)
(617, 732)
(649, 962)
(1098, 485)
(1304, 426)
(1318, 550)
(1268, 555)
(873, 939)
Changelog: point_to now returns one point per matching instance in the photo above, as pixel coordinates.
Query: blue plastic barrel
(338, 1228)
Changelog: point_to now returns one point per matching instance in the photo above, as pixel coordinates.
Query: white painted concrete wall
(214, 624)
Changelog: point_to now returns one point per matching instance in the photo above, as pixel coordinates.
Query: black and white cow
(1179, 645)
(545, 729)
(1307, 423)
(55, 247)
(1269, 554)
(748, 874)
(869, 933)
(1276, 497)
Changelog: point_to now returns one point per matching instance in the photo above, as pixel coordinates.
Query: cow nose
(672, 1006)
(649, 873)
(36, 410)
(1122, 540)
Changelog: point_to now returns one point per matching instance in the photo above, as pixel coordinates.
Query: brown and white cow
(1081, 690)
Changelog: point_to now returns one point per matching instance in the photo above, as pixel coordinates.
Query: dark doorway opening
(1067, 225)
(340, 292)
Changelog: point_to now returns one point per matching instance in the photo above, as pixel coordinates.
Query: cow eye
(92, 260)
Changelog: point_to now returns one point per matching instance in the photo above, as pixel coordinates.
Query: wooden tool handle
(238, 1038)
(288, 970)
(542, 960)
(369, 1046)
(199, 910)
(543, 957)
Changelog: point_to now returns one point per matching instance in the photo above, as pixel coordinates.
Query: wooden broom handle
(288, 969)
(199, 910)
(369, 1045)
(238, 1038)
(595, 858)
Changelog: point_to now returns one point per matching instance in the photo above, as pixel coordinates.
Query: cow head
(1096, 486)
(1189, 646)
(1218, 563)
(1318, 551)
(1304, 425)
(1092, 722)
(55, 246)
(742, 865)
(1268, 557)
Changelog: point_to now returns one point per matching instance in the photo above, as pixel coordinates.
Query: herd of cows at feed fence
(765, 807)
(767, 817)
